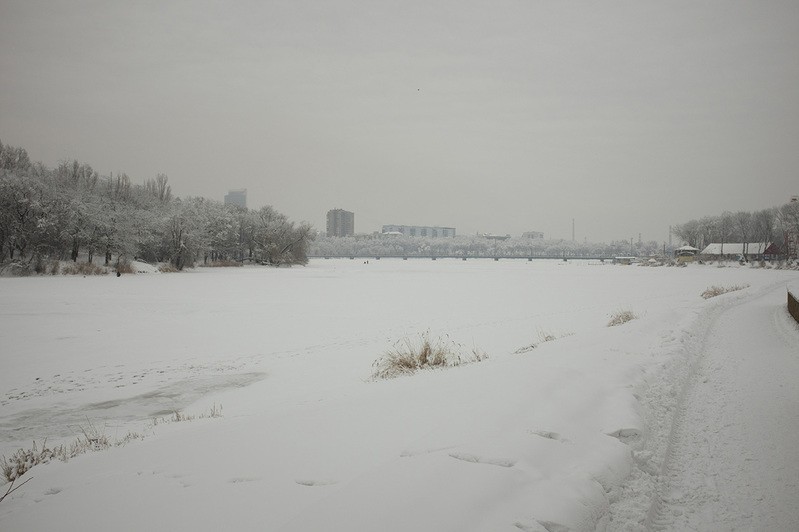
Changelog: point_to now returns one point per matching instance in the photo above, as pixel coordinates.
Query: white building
(533, 235)
(420, 230)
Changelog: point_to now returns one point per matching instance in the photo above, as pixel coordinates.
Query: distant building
(237, 197)
(533, 235)
(492, 236)
(420, 230)
(340, 223)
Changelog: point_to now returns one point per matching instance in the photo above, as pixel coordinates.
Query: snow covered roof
(735, 248)
(687, 248)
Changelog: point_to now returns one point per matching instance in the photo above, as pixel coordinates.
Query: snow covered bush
(714, 291)
(408, 356)
(125, 267)
(24, 459)
(167, 268)
(621, 316)
(83, 268)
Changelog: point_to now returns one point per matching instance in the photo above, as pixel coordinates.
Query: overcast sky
(495, 116)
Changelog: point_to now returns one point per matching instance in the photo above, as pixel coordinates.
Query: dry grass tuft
(621, 316)
(543, 336)
(167, 268)
(91, 439)
(714, 291)
(407, 356)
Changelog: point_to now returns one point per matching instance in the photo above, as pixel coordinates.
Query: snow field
(543, 439)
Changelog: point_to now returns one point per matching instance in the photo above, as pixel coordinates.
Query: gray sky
(500, 116)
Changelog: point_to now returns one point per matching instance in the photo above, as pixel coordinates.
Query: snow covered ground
(578, 433)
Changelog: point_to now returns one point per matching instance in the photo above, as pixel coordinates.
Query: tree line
(778, 225)
(71, 211)
(379, 245)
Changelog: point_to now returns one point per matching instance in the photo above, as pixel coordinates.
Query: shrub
(714, 291)
(17, 269)
(125, 267)
(167, 268)
(83, 268)
(224, 264)
(621, 316)
(408, 356)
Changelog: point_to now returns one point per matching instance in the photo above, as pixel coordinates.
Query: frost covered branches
(767, 225)
(72, 213)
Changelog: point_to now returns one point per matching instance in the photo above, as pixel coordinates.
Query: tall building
(237, 197)
(340, 223)
(419, 230)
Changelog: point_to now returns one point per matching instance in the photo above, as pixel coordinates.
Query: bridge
(564, 257)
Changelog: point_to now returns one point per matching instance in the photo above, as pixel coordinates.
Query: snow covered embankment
(716, 451)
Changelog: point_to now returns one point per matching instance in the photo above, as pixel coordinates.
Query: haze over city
(498, 117)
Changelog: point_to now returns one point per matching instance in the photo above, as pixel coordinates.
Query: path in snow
(733, 461)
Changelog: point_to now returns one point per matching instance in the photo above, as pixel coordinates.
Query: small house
(685, 253)
(741, 251)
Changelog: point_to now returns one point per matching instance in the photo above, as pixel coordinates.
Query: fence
(793, 306)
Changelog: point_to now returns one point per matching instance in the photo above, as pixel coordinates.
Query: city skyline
(495, 118)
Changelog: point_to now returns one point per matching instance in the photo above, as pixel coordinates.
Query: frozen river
(568, 433)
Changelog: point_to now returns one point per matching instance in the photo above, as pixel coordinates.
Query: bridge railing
(793, 306)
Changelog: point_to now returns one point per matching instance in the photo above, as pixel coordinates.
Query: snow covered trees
(767, 225)
(71, 212)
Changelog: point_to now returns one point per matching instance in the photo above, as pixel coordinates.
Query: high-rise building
(340, 223)
(237, 197)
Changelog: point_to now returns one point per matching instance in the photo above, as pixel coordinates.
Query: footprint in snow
(553, 527)
(305, 482)
(501, 462)
(239, 480)
(418, 452)
(626, 435)
(550, 435)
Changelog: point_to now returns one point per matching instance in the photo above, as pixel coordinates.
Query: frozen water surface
(574, 433)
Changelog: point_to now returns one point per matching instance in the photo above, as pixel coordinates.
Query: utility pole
(572, 229)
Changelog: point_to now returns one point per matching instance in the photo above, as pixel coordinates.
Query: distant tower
(340, 223)
(237, 197)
